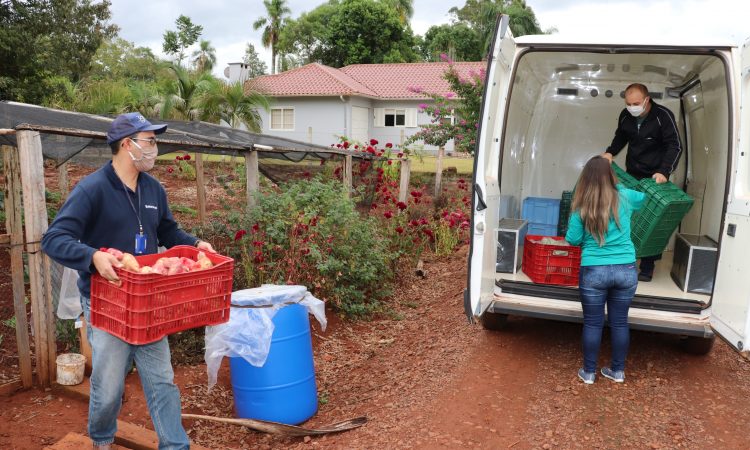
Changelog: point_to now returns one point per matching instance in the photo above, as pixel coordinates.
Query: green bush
(308, 232)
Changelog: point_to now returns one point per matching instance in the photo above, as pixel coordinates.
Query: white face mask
(637, 110)
(147, 159)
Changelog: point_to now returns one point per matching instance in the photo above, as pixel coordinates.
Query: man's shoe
(586, 377)
(618, 376)
(643, 276)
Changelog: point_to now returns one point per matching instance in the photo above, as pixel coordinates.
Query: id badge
(140, 244)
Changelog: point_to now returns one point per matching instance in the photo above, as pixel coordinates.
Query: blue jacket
(618, 247)
(98, 214)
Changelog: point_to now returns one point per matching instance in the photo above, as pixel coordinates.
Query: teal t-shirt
(617, 248)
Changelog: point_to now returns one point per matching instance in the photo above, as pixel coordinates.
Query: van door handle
(480, 198)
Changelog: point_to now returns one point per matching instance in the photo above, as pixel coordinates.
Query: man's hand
(608, 156)
(205, 246)
(659, 178)
(105, 263)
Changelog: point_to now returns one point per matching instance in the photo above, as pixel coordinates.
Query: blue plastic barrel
(284, 389)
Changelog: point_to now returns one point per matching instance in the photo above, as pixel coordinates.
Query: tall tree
(256, 67)
(481, 16)
(204, 58)
(459, 41)
(272, 25)
(120, 59)
(404, 8)
(45, 43)
(176, 42)
(181, 98)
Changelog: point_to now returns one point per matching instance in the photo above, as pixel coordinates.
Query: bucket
(70, 369)
(284, 389)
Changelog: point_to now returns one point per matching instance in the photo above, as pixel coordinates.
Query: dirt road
(426, 379)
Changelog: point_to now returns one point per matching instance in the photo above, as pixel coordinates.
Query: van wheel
(697, 345)
(493, 321)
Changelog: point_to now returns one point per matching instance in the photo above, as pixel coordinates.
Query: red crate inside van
(550, 263)
(147, 307)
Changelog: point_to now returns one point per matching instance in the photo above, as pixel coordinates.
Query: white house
(316, 103)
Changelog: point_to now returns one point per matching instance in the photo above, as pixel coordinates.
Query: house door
(360, 123)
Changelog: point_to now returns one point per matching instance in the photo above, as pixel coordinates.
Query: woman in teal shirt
(600, 224)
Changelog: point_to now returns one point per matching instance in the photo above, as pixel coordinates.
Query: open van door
(486, 195)
(730, 304)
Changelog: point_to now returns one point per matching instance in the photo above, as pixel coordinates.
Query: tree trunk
(273, 61)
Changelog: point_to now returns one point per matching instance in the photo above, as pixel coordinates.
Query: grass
(425, 164)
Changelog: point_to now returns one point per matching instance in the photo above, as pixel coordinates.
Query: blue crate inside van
(542, 214)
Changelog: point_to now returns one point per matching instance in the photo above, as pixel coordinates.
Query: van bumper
(639, 319)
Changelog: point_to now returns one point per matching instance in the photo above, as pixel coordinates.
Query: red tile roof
(384, 81)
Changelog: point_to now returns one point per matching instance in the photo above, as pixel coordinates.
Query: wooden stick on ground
(420, 271)
(283, 429)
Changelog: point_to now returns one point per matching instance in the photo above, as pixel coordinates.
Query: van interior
(563, 109)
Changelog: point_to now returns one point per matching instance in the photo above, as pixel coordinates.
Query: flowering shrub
(454, 115)
(182, 167)
(309, 233)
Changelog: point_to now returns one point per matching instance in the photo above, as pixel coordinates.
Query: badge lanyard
(140, 238)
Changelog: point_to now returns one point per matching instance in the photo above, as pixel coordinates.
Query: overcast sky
(228, 23)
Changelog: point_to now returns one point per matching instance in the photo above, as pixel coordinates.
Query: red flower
(238, 235)
(401, 205)
(374, 206)
(413, 223)
(305, 251)
(399, 230)
(388, 214)
(388, 145)
(346, 144)
(257, 243)
(258, 257)
(170, 170)
(306, 174)
(464, 224)
(390, 162)
(178, 158)
(186, 157)
(356, 147)
(400, 154)
(373, 142)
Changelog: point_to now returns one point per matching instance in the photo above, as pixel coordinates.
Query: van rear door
(730, 305)
(481, 273)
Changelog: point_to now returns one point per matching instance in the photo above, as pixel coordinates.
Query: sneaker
(586, 377)
(618, 376)
(643, 276)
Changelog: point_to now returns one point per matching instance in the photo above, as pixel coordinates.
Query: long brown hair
(596, 197)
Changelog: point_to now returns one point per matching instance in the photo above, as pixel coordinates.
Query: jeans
(613, 285)
(112, 360)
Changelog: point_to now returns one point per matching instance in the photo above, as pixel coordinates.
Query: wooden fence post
(403, 189)
(439, 171)
(402, 137)
(253, 176)
(14, 226)
(62, 180)
(348, 175)
(35, 215)
(200, 180)
(309, 135)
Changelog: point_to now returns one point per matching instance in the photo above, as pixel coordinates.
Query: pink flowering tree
(463, 103)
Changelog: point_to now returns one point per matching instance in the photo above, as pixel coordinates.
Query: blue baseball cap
(129, 124)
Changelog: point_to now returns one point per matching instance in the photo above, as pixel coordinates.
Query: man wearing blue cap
(121, 206)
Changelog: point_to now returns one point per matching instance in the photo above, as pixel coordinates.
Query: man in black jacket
(653, 142)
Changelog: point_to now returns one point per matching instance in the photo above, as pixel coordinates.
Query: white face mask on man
(637, 110)
(148, 156)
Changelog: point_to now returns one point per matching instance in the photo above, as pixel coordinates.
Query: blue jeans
(612, 285)
(112, 360)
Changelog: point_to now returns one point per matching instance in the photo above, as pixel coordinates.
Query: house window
(282, 118)
(395, 117)
(449, 119)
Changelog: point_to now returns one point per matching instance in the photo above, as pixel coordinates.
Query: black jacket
(655, 148)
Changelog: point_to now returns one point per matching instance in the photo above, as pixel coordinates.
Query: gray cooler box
(694, 264)
(510, 236)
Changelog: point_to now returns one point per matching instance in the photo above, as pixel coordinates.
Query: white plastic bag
(248, 332)
(69, 304)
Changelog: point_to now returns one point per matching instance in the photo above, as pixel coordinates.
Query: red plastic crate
(147, 307)
(551, 264)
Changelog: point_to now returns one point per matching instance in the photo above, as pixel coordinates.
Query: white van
(550, 105)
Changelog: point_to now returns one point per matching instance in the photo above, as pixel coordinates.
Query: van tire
(493, 321)
(698, 345)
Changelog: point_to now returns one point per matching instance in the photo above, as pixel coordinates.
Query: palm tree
(277, 11)
(235, 106)
(182, 98)
(404, 8)
(204, 58)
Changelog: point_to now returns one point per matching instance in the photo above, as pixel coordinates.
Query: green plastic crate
(662, 212)
(625, 178)
(565, 201)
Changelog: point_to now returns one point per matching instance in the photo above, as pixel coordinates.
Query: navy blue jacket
(98, 214)
(654, 148)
